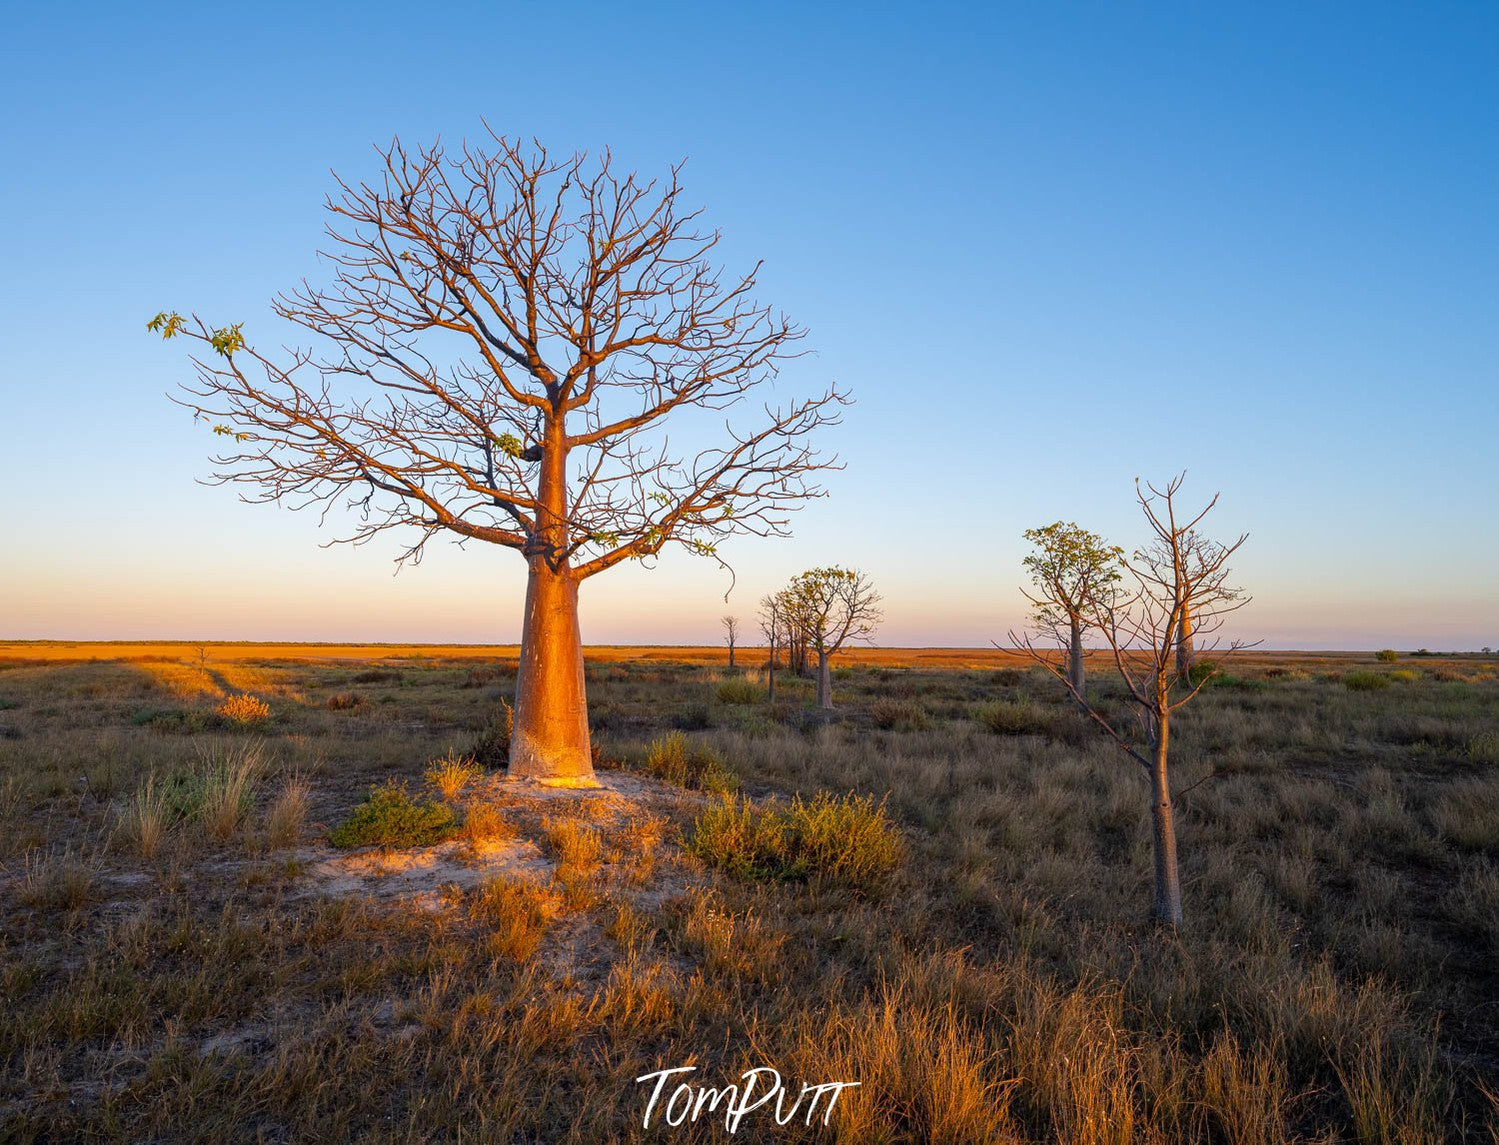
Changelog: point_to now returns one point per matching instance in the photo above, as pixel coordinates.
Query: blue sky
(1048, 247)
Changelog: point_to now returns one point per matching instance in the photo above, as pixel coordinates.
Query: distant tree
(731, 633)
(1387, 656)
(1072, 572)
(1142, 626)
(505, 336)
(833, 606)
(771, 625)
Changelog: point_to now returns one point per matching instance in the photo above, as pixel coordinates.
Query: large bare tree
(833, 607)
(504, 335)
(1176, 570)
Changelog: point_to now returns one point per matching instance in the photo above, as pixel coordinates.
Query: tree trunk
(1168, 892)
(824, 682)
(550, 739)
(1184, 647)
(1075, 660)
(772, 670)
(731, 654)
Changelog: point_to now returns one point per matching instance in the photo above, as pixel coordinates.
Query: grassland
(185, 957)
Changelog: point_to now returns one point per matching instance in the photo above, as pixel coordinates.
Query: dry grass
(287, 812)
(244, 709)
(451, 774)
(965, 937)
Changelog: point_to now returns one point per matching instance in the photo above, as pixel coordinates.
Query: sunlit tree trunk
(771, 671)
(1184, 646)
(1168, 893)
(550, 738)
(1075, 659)
(824, 682)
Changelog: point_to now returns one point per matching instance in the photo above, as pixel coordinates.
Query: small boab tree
(503, 338)
(1072, 572)
(772, 627)
(730, 635)
(833, 607)
(1142, 624)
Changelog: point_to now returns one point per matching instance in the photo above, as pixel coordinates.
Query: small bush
(1365, 681)
(1406, 675)
(375, 676)
(741, 690)
(904, 714)
(1014, 718)
(452, 773)
(390, 817)
(1387, 655)
(695, 766)
(1201, 672)
(850, 839)
(693, 718)
(491, 747)
(1484, 748)
(344, 702)
(245, 710)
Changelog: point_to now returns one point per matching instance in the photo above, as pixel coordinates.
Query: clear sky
(1049, 247)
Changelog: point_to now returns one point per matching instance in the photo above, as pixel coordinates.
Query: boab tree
(1175, 570)
(1071, 570)
(503, 337)
(832, 607)
(730, 635)
(772, 623)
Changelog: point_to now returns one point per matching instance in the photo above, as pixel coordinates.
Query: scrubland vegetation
(940, 891)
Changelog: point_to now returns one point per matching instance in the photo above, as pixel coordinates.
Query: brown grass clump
(244, 709)
(287, 812)
(60, 880)
(452, 773)
(147, 818)
(517, 913)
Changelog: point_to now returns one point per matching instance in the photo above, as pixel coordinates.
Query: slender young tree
(1142, 625)
(1071, 570)
(503, 340)
(771, 623)
(834, 606)
(730, 635)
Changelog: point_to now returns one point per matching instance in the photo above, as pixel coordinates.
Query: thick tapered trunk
(549, 740)
(1075, 660)
(550, 737)
(731, 655)
(1184, 647)
(1168, 892)
(824, 682)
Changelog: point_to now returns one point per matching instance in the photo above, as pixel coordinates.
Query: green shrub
(491, 747)
(741, 690)
(1201, 672)
(1014, 718)
(847, 839)
(1387, 655)
(1406, 675)
(1365, 681)
(390, 817)
(696, 766)
(694, 717)
(904, 714)
(1484, 748)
